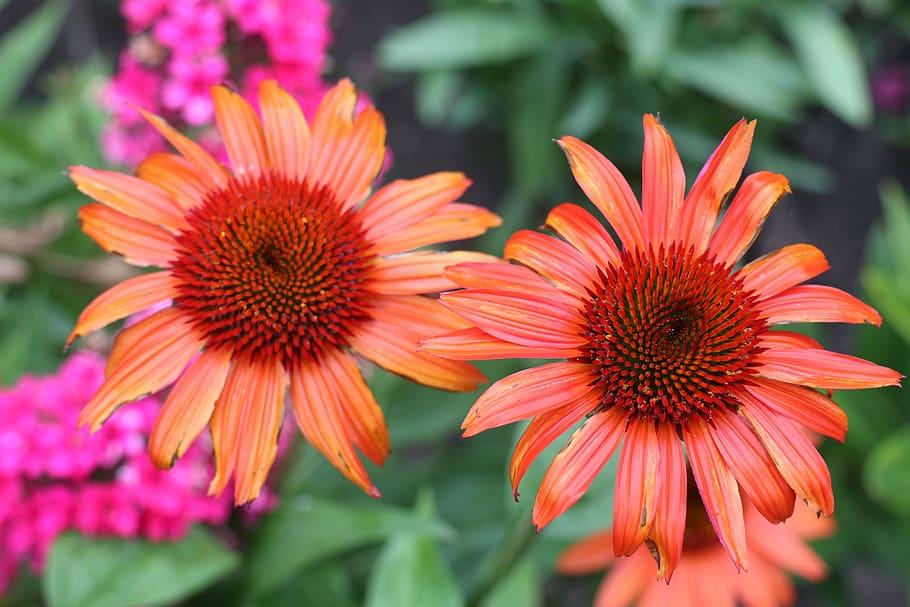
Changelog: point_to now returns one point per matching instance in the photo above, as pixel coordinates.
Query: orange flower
(274, 273)
(704, 575)
(663, 340)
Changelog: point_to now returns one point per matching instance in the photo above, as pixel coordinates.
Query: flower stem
(515, 543)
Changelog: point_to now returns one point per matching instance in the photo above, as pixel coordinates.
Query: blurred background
(481, 86)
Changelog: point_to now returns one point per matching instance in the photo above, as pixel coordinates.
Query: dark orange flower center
(670, 333)
(272, 266)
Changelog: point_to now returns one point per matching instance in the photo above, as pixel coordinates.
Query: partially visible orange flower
(275, 274)
(663, 341)
(704, 575)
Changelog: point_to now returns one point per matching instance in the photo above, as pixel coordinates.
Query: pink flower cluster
(180, 48)
(54, 478)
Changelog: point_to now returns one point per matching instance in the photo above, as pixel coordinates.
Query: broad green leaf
(87, 572)
(830, 59)
(521, 587)
(305, 530)
(459, 39)
(589, 108)
(324, 585)
(890, 294)
(22, 48)
(648, 26)
(885, 472)
(896, 222)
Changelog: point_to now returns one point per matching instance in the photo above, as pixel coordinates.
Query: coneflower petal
(504, 276)
(580, 229)
(787, 340)
(138, 242)
(668, 529)
(817, 303)
(765, 586)
(555, 260)
(589, 555)
(778, 271)
(754, 200)
(528, 393)
(175, 175)
(627, 580)
(663, 184)
(210, 170)
(636, 487)
(188, 407)
(474, 344)
(225, 425)
(804, 405)
(405, 202)
(784, 548)
(455, 221)
(241, 131)
(823, 369)
(574, 468)
(418, 272)
(287, 134)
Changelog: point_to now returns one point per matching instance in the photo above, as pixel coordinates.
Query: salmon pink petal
(177, 176)
(786, 340)
(419, 272)
(128, 297)
(133, 339)
(665, 540)
(168, 344)
(474, 344)
(627, 581)
(780, 545)
(405, 202)
(319, 415)
(663, 183)
(742, 222)
(131, 196)
(817, 303)
(804, 405)
(287, 135)
(717, 178)
(504, 276)
(543, 430)
(555, 260)
(589, 555)
(574, 468)
(794, 454)
(188, 407)
(679, 594)
(226, 424)
(605, 186)
(455, 221)
(138, 242)
(718, 489)
(580, 229)
(241, 131)
(521, 318)
(636, 487)
(765, 586)
(423, 315)
(778, 271)
(823, 369)
(753, 468)
(528, 393)
(209, 169)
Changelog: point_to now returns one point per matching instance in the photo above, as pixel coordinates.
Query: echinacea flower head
(664, 341)
(273, 274)
(704, 575)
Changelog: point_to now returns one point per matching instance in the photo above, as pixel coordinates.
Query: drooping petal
(404, 202)
(287, 135)
(130, 195)
(817, 303)
(504, 276)
(455, 221)
(241, 131)
(589, 555)
(419, 272)
(823, 369)
(663, 183)
(753, 468)
(188, 407)
(123, 299)
(555, 260)
(804, 405)
(756, 197)
(778, 271)
(716, 180)
(167, 348)
(318, 414)
(574, 468)
(528, 393)
(177, 176)
(605, 186)
(626, 581)
(794, 454)
(783, 547)
(543, 430)
(521, 318)
(580, 229)
(474, 344)
(636, 487)
(665, 540)
(209, 169)
(718, 490)
(226, 424)
(138, 242)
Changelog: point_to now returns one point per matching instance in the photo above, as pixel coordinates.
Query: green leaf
(896, 208)
(588, 109)
(885, 472)
(521, 587)
(830, 59)
(23, 48)
(460, 39)
(87, 572)
(648, 26)
(306, 530)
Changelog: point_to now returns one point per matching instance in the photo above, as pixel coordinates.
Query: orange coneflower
(704, 575)
(664, 340)
(275, 273)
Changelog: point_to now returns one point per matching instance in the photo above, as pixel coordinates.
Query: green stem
(516, 542)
